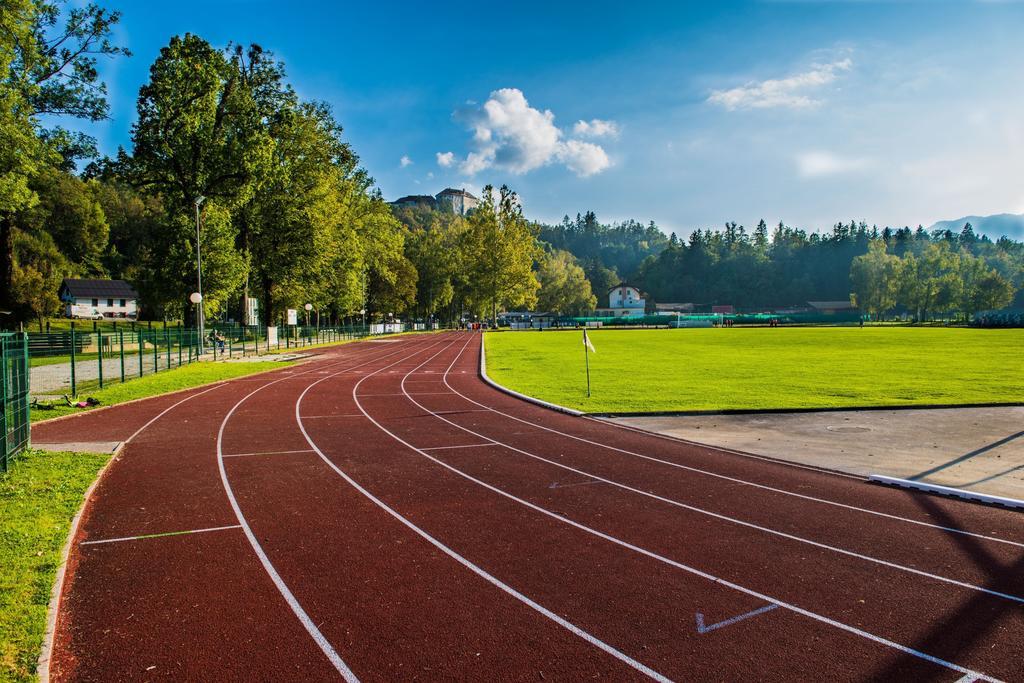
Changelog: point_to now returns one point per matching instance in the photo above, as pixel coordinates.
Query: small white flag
(586, 342)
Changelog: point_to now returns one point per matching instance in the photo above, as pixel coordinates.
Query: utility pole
(199, 274)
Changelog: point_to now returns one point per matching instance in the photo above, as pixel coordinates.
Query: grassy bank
(185, 377)
(38, 499)
(762, 368)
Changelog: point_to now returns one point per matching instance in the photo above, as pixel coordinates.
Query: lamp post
(197, 296)
(308, 307)
(197, 299)
(362, 312)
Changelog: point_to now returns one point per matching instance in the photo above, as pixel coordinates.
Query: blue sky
(692, 113)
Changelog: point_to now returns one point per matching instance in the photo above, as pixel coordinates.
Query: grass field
(762, 368)
(185, 377)
(38, 498)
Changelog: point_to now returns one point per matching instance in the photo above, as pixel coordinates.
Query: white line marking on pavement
(701, 628)
(307, 623)
(572, 628)
(165, 534)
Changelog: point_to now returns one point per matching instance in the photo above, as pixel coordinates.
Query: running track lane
(410, 568)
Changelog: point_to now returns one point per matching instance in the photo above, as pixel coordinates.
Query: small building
(727, 309)
(98, 299)
(456, 201)
(623, 301)
(832, 306)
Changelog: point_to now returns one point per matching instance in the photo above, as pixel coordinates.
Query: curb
(793, 411)
(516, 394)
(947, 491)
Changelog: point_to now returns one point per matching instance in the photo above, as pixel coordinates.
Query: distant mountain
(1009, 224)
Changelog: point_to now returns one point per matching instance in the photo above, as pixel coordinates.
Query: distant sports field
(762, 368)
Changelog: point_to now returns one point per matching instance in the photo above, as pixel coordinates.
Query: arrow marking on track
(701, 628)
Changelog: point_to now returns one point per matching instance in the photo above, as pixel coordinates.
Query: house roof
(830, 305)
(415, 199)
(454, 192)
(623, 284)
(109, 289)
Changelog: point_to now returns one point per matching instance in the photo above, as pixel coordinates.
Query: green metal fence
(80, 360)
(14, 424)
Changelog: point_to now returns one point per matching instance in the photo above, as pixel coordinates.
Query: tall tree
(502, 246)
(876, 277)
(200, 133)
(564, 288)
(47, 67)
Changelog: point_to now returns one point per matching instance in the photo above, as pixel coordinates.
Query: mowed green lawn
(762, 368)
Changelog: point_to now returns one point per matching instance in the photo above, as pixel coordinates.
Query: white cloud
(818, 163)
(596, 128)
(405, 161)
(583, 158)
(445, 159)
(791, 92)
(510, 135)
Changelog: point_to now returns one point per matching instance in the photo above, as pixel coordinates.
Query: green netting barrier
(794, 318)
(14, 429)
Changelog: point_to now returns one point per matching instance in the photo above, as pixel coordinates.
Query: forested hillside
(963, 272)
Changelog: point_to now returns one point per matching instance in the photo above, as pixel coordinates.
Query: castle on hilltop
(449, 199)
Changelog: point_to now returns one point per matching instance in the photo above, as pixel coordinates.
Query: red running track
(380, 513)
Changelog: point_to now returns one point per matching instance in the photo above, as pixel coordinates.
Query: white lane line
(687, 568)
(161, 535)
(468, 445)
(282, 587)
(242, 455)
(734, 520)
(494, 581)
(724, 477)
(170, 408)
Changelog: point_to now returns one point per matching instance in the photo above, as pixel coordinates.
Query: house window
(122, 303)
(110, 303)
(95, 302)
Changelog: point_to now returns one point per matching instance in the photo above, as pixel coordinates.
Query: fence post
(74, 386)
(3, 402)
(156, 352)
(120, 335)
(167, 342)
(142, 349)
(179, 346)
(99, 355)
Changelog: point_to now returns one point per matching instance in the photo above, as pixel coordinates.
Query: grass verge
(185, 377)
(39, 496)
(762, 368)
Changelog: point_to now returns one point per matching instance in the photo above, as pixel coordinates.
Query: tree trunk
(6, 261)
(268, 302)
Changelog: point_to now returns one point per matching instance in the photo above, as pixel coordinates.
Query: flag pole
(586, 356)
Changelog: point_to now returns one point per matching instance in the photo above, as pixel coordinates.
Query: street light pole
(199, 275)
